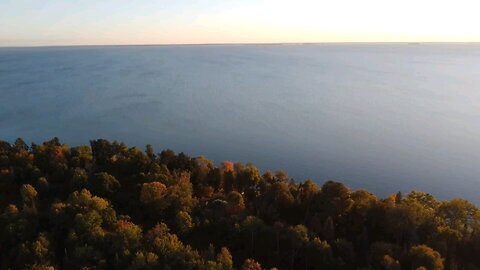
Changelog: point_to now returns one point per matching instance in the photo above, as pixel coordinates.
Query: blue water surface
(385, 117)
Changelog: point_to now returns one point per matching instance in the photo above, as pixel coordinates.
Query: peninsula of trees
(108, 206)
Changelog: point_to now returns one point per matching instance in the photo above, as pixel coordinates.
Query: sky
(101, 22)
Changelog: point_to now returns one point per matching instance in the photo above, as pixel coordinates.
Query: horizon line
(241, 43)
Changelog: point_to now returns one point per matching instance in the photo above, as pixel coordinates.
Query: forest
(110, 206)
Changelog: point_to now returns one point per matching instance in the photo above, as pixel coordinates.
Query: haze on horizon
(91, 22)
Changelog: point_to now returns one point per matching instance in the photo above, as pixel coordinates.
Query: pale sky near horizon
(94, 22)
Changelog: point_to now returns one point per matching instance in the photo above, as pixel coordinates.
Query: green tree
(424, 256)
(251, 264)
(334, 200)
(225, 259)
(152, 192)
(90, 219)
(29, 197)
(144, 261)
(319, 254)
(235, 203)
(253, 226)
(345, 254)
(171, 251)
(124, 243)
(104, 184)
(276, 203)
(183, 222)
(379, 250)
(79, 179)
(298, 239)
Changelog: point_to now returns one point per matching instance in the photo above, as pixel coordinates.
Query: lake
(385, 117)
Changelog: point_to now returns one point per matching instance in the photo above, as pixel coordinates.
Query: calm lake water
(382, 117)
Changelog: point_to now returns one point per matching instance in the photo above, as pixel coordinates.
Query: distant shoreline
(248, 44)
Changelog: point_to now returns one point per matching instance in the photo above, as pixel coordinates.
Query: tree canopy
(110, 206)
